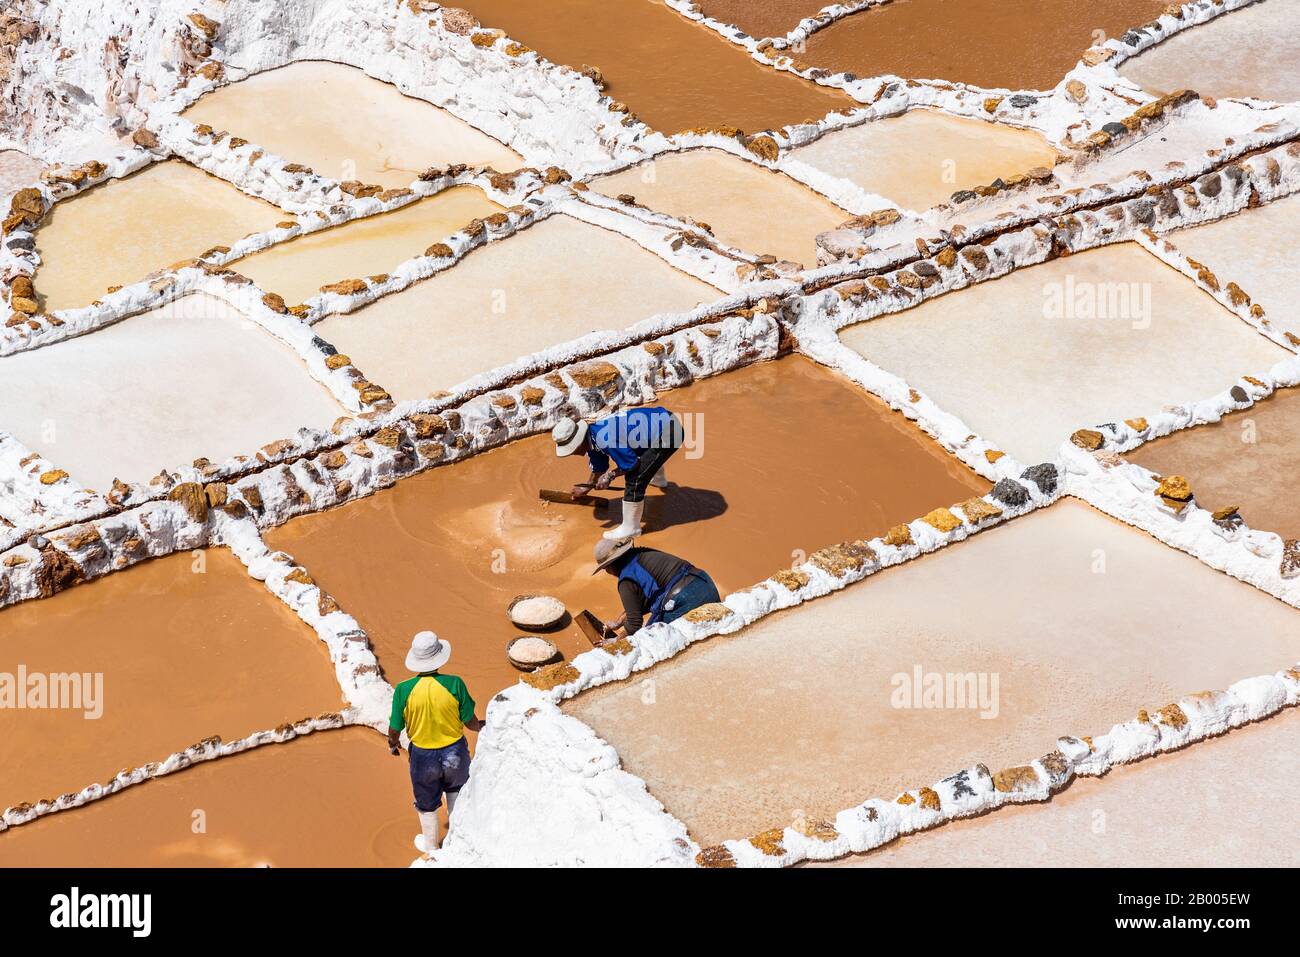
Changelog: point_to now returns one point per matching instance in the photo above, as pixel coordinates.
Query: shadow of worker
(682, 505)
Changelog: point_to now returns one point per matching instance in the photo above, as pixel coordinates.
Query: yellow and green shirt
(433, 709)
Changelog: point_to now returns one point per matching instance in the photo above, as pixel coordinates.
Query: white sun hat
(608, 551)
(428, 653)
(568, 435)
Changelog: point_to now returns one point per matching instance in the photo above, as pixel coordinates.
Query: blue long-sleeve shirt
(624, 436)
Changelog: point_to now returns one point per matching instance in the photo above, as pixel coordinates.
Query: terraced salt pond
(366, 247)
(747, 206)
(819, 726)
(174, 212)
(672, 73)
(1233, 793)
(761, 18)
(187, 647)
(1248, 459)
(997, 44)
(448, 549)
(351, 127)
(331, 799)
(555, 281)
(1095, 337)
(190, 379)
(1250, 52)
(921, 158)
(1247, 249)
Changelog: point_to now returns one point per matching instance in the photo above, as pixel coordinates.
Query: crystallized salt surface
(555, 281)
(1020, 363)
(745, 205)
(921, 158)
(672, 73)
(762, 18)
(367, 247)
(176, 650)
(122, 230)
(16, 171)
(346, 125)
(1006, 44)
(1251, 249)
(790, 458)
(1223, 803)
(536, 611)
(532, 650)
(1249, 459)
(331, 799)
(1081, 620)
(1251, 52)
(187, 380)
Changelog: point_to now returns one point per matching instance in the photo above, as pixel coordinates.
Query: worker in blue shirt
(652, 585)
(634, 444)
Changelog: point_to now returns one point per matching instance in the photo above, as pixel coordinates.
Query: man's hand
(603, 481)
(394, 742)
(578, 491)
(617, 624)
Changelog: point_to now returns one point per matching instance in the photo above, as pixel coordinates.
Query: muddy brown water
(672, 73)
(989, 43)
(330, 799)
(1248, 459)
(793, 458)
(183, 656)
(762, 18)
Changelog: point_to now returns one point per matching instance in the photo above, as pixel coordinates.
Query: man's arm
(397, 718)
(474, 724)
(633, 612)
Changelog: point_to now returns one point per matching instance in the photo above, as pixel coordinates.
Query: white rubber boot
(660, 480)
(427, 841)
(631, 526)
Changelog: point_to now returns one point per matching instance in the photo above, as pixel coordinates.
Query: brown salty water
(762, 18)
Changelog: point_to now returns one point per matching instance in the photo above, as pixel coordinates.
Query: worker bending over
(653, 585)
(634, 444)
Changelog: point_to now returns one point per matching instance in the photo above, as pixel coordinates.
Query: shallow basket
(544, 626)
(531, 665)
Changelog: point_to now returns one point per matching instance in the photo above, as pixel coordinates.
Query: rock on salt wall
(367, 247)
(921, 158)
(1025, 374)
(801, 714)
(346, 125)
(989, 43)
(746, 206)
(1248, 459)
(1251, 52)
(791, 458)
(190, 379)
(123, 230)
(331, 799)
(550, 283)
(1251, 249)
(16, 171)
(762, 18)
(1223, 803)
(186, 647)
(672, 73)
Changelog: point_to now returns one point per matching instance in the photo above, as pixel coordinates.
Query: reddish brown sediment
(184, 656)
(1248, 460)
(672, 73)
(812, 711)
(988, 43)
(330, 799)
(794, 458)
(762, 18)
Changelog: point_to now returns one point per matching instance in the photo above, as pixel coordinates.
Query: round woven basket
(530, 665)
(534, 626)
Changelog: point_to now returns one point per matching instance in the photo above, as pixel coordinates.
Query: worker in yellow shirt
(434, 709)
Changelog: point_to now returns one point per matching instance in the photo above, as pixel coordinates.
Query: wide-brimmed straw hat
(428, 653)
(568, 435)
(608, 551)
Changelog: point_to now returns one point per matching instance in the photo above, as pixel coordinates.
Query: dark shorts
(699, 590)
(438, 770)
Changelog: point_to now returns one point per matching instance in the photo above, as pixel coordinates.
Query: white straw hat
(428, 653)
(568, 435)
(607, 551)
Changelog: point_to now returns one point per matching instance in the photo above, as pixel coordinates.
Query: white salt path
(921, 158)
(16, 171)
(1252, 250)
(1025, 381)
(367, 247)
(122, 230)
(553, 282)
(1229, 802)
(346, 125)
(191, 379)
(1251, 52)
(747, 206)
(798, 715)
